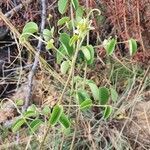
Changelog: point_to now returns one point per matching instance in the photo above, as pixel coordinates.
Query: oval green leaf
(47, 35)
(56, 113)
(62, 6)
(82, 95)
(29, 114)
(94, 90)
(29, 28)
(64, 67)
(35, 124)
(63, 21)
(103, 95)
(86, 104)
(75, 4)
(17, 125)
(46, 110)
(73, 39)
(107, 112)
(91, 49)
(114, 94)
(109, 45)
(132, 46)
(86, 53)
(64, 121)
(65, 39)
(79, 13)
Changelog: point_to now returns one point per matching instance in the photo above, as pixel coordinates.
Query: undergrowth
(86, 114)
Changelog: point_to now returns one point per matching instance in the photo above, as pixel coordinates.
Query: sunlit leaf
(62, 6)
(65, 39)
(56, 113)
(75, 4)
(91, 50)
(79, 13)
(109, 45)
(64, 67)
(17, 125)
(64, 121)
(29, 28)
(94, 90)
(32, 108)
(35, 124)
(29, 114)
(132, 46)
(86, 53)
(82, 95)
(114, 94)
(50, 44)
(47, 35)
(86, 104)
(63, 21)
(107, 112)
(73, 39)
(46, 110)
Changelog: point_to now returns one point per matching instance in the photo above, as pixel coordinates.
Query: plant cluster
(74, 48)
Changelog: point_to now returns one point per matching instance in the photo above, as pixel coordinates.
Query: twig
(17, 8)
(35, 64)
(30, 48)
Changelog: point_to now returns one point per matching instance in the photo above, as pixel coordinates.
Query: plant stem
(67, 82)
(71, 70)
(45, 135)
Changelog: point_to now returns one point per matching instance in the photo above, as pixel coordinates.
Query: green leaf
(91, 49)
(32, 108)
(29, 114)
(60, 57)
(35, 124)
(86, 53)
(94, 90)
(62, 6)
(29, 28)
(114, 94)
(64, 121)
(63, 21)
(56, 113)
(82, 95)
(46, 110)
(109, 45)
(79, 13)
(132, 46)
(47, 35)
(65, 39)
(75, 4)
(64, 67)
(107, 112)
(17, 125)
(50, 44)
(73, 39)
(103, 95)
(86, 104)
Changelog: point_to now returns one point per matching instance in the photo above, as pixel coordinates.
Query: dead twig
(35, 64)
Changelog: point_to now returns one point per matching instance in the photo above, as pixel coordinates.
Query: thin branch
(17, 8)
(36, 61)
